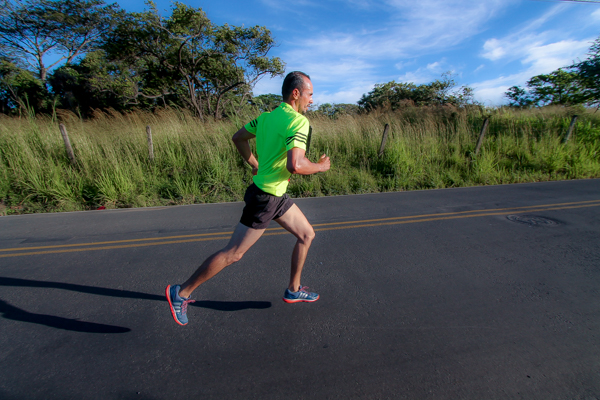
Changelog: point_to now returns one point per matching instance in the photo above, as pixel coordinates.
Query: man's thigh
(295, 222)
(243, 238)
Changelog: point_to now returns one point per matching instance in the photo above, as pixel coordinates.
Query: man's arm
(241, 139)
(297, 163)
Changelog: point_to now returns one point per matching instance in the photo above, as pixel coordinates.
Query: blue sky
(347, 46)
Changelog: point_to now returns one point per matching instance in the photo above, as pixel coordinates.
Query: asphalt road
(475, 293)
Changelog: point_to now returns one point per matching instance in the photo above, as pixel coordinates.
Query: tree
(438, 92)
(589, 75)
(335, 110)
(560, 87)
(267, 102)
(95, 82)
(519, 97)
(31, 30)
(20, 90)
(216, 65)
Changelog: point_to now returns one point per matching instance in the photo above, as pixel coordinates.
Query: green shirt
(277, 132)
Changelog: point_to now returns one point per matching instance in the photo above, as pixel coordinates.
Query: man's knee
(308, 235)
(233, 256)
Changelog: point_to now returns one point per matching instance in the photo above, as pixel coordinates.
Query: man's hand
(254, 170)
(324, 162)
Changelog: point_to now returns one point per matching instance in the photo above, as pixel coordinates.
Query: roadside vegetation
(428, 147)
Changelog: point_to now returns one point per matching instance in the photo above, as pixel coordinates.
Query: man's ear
(296, 94)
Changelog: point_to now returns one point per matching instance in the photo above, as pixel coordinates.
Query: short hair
(293, 80)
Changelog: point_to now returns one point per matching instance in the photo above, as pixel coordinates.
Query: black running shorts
(262, 207)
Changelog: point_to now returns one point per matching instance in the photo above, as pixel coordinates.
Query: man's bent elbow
(292, 167)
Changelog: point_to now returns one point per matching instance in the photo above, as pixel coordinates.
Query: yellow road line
(281, 231)
(529, 208)
(451, 217)
(197, 235)
(118, 241)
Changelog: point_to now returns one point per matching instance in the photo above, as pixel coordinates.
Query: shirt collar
(286, 105)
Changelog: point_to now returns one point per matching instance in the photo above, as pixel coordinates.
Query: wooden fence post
(481, 135)
(65, 136)
(308, 140)
(150, 145)
(570, 130)
(384, 139)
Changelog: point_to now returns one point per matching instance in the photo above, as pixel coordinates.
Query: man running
(281, 137)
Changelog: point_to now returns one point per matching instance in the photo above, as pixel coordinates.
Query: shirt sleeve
(252, 126)
(297, 134)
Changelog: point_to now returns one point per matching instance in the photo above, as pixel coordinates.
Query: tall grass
(197, 162)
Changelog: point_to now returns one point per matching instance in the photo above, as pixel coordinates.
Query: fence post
(570, 130)
(481, 135)
(383, 139)
(308, 140)
(150, 145)
(65, 136)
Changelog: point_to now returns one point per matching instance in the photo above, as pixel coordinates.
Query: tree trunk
(194, 99)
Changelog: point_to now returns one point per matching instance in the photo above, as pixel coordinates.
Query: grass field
(197, 163)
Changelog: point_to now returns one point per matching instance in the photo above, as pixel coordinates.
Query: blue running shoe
(299, 296)
(177, 304)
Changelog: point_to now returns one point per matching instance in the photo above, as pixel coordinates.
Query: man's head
(297, 91)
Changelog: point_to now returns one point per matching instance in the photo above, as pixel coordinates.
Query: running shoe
(177, 304)
(300, 295)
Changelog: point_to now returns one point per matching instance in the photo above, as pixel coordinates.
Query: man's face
(305, 99)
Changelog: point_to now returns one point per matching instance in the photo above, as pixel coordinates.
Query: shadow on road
(16, 314)
(213, 305)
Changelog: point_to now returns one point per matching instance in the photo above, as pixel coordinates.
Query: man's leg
(178, 296)
(296, 223)
(242, 239)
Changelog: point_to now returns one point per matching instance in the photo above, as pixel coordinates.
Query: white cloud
(536, 56)
(346, 95)
(537, 59)
(412, 28)
(492, 96)
(429, 73)
(491, 92)
(552, 56)
(435, 66)
(596, 15)
(417, 77)
(531, 45)
(538, 51)
(535, 50)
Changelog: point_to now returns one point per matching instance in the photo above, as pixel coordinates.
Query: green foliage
(396, 95)
(267, 102)
(589, 74)
(335, 110)
(557, 88)
(519, 97)
(20, 91)
(95, 82)
(217, 65)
